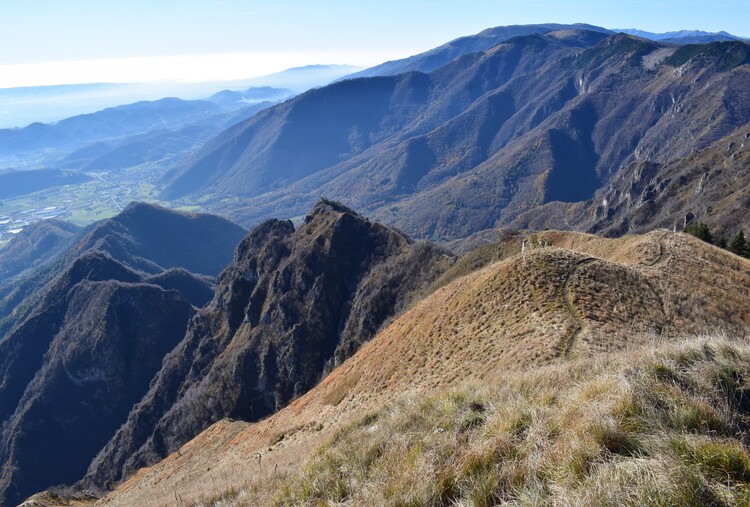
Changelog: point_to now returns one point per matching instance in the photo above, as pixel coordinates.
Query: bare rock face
(706, 186)
(291, 305)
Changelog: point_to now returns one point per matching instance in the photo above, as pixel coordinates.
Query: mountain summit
(552, 315)
(292, 305)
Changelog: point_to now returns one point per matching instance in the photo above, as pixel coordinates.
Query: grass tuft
(662, 427)
(659, 430)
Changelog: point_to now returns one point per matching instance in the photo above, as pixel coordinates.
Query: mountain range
(83, 345)
(108, 123)
(291, 306)
(520, 196)
(473, 145)
(683, 36)
(324, 303)
(21, 106)
(484, 40)
(437, 57)
(155, 133)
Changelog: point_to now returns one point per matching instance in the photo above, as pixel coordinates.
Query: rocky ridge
(292, 305)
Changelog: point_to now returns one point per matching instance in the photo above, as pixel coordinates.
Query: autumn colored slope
(569, 297)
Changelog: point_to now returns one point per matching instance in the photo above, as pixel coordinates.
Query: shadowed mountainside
(108, 344)
(143, 237)
(82, 346)
(152, 238)
(36, 245)
(479, 141)
(710, 185)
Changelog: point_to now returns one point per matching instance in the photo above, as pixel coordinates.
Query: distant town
(16, 222)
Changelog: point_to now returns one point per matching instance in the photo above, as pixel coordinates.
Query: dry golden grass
(556, 309)
(664, 428)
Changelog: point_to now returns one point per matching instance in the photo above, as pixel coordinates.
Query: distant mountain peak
(482, 41)
(143, 209)
(328, 205)
(681, 36)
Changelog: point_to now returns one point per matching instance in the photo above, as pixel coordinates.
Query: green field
(104, 196)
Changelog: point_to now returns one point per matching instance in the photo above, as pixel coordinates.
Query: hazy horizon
(22, 106)
(194, 48)
(45, 42)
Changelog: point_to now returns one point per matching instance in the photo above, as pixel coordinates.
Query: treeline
(738, 244)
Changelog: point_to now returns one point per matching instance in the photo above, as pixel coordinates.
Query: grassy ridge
(666, 426)
(527, 333)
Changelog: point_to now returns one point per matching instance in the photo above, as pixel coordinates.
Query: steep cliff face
(88, 332)
(291, 305)
(711, 185)
(112, 337)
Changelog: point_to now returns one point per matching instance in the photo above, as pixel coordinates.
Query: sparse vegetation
(663, 427)
(738, 245)
(700, 230)
(581, 415)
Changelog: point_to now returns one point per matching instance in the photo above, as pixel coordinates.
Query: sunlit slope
(566, 298)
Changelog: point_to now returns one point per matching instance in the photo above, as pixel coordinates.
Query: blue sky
(266, 36)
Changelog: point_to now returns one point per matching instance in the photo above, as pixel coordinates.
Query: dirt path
(661, 251)
(570, 306)
(661, 257)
